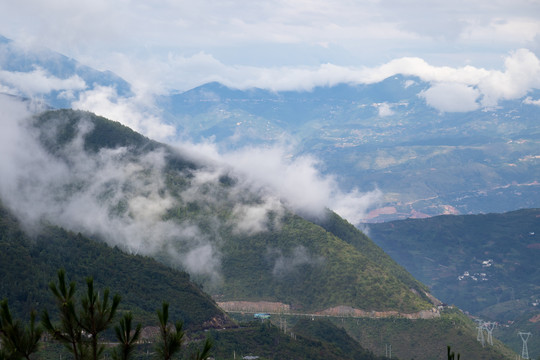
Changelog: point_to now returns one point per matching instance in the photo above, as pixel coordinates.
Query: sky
(164, 45)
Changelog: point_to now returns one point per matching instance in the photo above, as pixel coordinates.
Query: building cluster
(487, 263)
(474, 277)
(477, 276)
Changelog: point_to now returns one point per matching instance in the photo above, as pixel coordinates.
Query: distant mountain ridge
(383, 135)
(19, 60)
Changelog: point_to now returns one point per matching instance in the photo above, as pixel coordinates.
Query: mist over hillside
(236, 236)
(406, 139)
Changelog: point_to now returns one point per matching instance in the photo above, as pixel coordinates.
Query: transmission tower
(480, 335)
(489, 326)
(389, 351)
(524, 337)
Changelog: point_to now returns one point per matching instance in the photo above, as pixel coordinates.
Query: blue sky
(162, 45)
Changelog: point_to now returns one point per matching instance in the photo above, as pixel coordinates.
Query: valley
(382, 135)
(485, 264)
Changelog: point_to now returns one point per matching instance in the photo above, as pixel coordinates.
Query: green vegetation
(16, 340)
(27, 264)
(408, 338)
(89, 320)
(126, 338)
(438, 250)
(82, 324)
(424, 339)
(290, 260)
(332, 272)
(317, 340)
(266, 341)
(326, 331)
(170, 338)
(63, 126)
(344, 230)
(286, 258)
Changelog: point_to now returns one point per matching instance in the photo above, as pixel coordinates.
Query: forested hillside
(87, 177)
(29, 263)
(499, 250)
(485, 264)
(238, 240)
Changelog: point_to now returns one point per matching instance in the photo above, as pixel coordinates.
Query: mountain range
(73, 175)
(92, 176)
(383, 136)
(29, 263)
(239, 242)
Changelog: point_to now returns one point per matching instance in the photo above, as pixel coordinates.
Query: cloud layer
(295, 181)
(109, 194)
(150, 43)
(453, 89)
(125, 199)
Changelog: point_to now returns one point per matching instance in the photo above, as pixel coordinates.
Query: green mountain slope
(425, 339)
(29, 263)
(441, 249)
(98, 178)
(234, 238)
(312, 269)
(485, 264)
(309, 340)
(421, 339)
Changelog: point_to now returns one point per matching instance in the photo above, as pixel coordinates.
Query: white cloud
(466, 85)
(530, 101)
(130, 111)
(286, 264)
(522, 73)
(125, 200)
(452, 97)
(296, 181)
(514, 30)
(282, 45)
(384, 109)
(121, 199)
(39, 81)
(234, 33)
(355, 205)
(253, 218)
